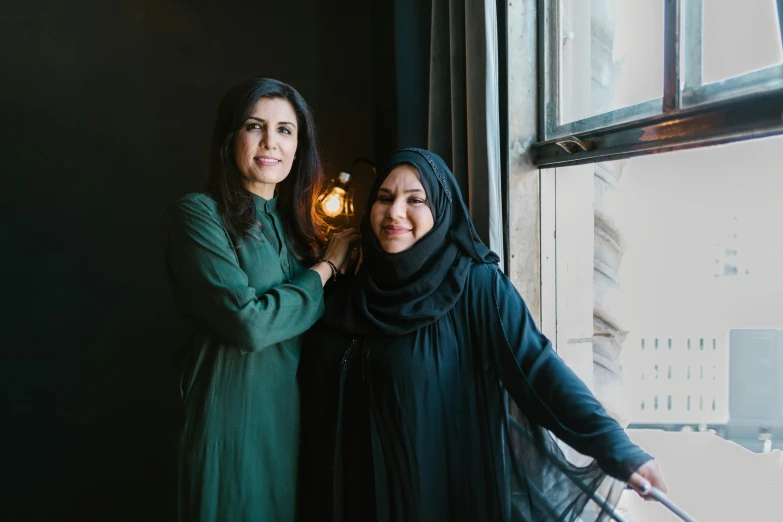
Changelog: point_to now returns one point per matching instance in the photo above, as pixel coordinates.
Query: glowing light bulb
(337, 200)
(332, 203)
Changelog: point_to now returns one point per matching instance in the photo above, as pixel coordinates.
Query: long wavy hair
(297, 193)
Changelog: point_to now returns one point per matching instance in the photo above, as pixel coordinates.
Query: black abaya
(415, 427)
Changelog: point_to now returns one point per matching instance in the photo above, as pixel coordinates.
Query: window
(608, 56)
(737, 40)
(693, 231)
(624, 78)
(680, 255)
(659, 277)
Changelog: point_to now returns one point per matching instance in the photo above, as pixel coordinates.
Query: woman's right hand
(337, 252)
(648, 474)
(339, 245)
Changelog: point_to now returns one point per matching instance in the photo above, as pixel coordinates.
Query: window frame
(688, 114)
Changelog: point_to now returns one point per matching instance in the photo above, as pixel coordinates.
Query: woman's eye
(252, 126)
(385, 199)
(415, 200)
(285, 130)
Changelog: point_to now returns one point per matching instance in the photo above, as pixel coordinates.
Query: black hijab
(394, 294)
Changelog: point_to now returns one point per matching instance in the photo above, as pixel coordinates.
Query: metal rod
(658, 495)
(654, 492)
(671, 55)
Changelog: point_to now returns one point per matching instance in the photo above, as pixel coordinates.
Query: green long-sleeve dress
(248, 305)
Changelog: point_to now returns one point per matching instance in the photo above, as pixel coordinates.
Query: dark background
(107, 110)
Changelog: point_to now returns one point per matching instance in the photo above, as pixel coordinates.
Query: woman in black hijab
(427, 391)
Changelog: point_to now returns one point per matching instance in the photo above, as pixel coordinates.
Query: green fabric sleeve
(213, 287)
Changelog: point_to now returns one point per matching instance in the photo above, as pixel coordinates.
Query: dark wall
(107, 109)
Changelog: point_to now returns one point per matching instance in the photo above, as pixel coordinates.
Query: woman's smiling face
(401, 214)
(265, 146)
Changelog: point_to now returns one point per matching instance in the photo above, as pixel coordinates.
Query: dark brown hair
(297, 193)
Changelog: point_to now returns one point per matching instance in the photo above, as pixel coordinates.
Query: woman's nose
(267, 140)
(398, 208)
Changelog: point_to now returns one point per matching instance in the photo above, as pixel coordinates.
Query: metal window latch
(572, 144)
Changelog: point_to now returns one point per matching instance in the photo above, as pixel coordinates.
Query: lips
(266, 160)
(395, 230)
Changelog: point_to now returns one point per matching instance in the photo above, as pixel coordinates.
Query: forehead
(404, 176)
(273, 108)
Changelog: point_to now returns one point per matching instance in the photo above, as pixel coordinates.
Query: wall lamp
(336, 201)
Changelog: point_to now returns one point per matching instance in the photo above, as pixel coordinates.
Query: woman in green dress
(247, 262)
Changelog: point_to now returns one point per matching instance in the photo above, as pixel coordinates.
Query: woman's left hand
(648, 474)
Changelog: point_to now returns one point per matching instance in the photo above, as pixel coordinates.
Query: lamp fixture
(336, 202)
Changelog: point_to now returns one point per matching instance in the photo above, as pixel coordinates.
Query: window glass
(687, 277)
(611, 56)
(738, 38)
